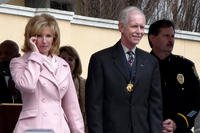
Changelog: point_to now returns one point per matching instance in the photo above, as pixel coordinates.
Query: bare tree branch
(184, 13)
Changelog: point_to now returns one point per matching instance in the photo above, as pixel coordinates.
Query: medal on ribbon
(129, 87)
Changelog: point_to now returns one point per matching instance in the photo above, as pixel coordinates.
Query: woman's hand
(32, 42)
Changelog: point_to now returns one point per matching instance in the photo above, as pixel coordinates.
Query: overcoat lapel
(46, 74)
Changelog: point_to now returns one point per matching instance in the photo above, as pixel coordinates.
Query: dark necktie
(130, 57)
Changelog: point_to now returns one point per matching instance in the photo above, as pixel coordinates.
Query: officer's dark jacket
(8, 92)
(181, 91)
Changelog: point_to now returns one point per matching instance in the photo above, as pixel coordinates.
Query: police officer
(179, 80)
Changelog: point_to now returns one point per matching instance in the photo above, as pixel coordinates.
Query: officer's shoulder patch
(195, 72)
(184, 60)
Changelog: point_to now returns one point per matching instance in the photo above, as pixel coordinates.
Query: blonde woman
(49, 96)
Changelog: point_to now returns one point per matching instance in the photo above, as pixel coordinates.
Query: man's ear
(121, 27)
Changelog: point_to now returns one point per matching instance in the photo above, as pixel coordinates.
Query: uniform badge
(180, 78)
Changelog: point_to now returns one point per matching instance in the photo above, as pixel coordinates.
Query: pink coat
(48, 93)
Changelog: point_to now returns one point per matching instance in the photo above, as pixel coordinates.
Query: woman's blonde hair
(36, 25)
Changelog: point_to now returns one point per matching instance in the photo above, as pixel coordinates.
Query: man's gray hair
(125, 12)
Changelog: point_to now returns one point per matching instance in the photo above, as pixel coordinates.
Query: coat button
(45, 114)
(44, 84)
(43, 100)
(56, 114)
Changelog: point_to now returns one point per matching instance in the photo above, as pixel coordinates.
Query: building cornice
(81, 20)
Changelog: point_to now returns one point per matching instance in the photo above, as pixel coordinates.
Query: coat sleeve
(71, 107)
(25, 71)
(155, 101)
(94, 96)
(185, 119)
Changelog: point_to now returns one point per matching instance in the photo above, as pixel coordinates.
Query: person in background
(179, 80)
(45, 81)
(70, 55)
(8, 93)
(123, 91)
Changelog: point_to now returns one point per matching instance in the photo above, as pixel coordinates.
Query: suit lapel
(140, 61)
(119, 60)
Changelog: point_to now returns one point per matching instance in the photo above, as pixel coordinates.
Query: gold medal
(130, 87)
